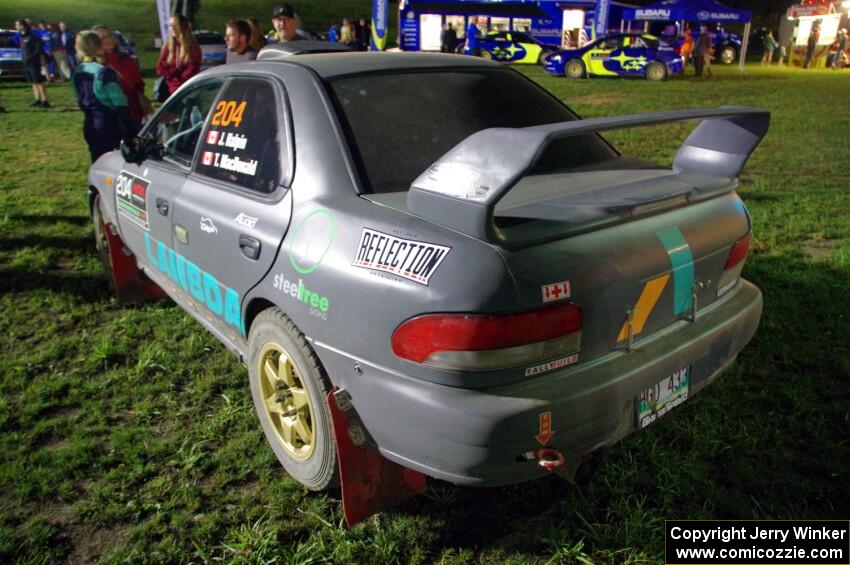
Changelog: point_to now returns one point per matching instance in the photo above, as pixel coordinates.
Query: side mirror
(130, 154)
(145, 148)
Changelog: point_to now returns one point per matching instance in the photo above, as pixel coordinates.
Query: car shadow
(87, 286)
(76, 220)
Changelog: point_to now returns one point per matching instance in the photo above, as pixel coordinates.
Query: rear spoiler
(461, 190)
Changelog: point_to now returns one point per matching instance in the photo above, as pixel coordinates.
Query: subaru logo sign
(703, 15)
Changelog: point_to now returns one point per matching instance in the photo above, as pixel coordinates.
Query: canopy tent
(702, 11)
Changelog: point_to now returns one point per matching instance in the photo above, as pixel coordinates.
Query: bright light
(845, 4)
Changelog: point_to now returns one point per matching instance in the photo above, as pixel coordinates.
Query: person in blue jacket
(99, 94)
(473, 42)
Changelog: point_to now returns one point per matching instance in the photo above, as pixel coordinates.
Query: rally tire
(574, 69)
(486, 55)
(311, 461)
(727, 54)
(656, 71)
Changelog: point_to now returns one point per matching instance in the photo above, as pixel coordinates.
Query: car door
(145, 191)
(234, 209)
(497, 44)
(600, 56)
(635, 56)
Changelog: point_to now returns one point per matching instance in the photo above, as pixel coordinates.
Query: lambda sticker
(555, 291)
(413, 260)
(132, 193)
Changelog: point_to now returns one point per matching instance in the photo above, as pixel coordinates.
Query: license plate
(667, 393)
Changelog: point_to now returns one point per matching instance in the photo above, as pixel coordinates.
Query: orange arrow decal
(546, 432)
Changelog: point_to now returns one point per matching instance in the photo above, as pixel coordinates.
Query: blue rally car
(11, 64)
(621, 54)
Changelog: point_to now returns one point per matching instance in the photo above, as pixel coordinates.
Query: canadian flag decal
(212, 137)
(207, 158)
(556, 291)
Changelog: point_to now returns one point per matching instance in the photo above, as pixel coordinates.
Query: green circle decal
(312, 240)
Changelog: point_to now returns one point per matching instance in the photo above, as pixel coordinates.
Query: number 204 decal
(228, 112)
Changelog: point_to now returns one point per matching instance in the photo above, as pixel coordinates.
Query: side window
(612, 43)
(178, 127)
(241, 143)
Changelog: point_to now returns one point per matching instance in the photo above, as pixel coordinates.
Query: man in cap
(285, 25)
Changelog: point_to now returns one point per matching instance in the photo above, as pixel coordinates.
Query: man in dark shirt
(285, 25)
(32, 55)
(702, 48)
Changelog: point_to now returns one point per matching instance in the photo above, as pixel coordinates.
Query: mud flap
(370, 482)
(130, 282)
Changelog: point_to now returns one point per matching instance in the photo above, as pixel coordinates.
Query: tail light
(734, 265)
(470, 342)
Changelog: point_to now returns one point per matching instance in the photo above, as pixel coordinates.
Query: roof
(275, 51)
(330, 65)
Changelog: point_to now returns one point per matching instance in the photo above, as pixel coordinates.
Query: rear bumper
(474, 437)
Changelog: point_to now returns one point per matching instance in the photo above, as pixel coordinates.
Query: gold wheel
(286, 401)
(656, 71)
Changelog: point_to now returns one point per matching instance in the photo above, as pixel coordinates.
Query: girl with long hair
(180, 58)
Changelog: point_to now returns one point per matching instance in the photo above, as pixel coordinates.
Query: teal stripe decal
(683, 267)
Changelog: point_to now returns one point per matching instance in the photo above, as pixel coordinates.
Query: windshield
(399, 124)
(7, 41)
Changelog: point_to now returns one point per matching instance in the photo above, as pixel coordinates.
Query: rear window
(399, 124)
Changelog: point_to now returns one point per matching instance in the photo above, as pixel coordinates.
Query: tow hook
(549, 459)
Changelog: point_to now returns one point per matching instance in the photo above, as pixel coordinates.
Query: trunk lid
(651, 264)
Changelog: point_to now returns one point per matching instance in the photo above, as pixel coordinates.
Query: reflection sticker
(413, 260)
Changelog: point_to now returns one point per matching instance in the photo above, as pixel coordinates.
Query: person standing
(57, 50)
(473, 42)
(127, 69)
(687, 48)
(106, 120)
(333, 36)
(448, 39)
(32, 55)
(180, 58)
(285, 25)
(364, 34)
(838, 60)
(769, 44)
(346, 33)
(237, 35)
(702, 50)
(812, 45)
(67, 38)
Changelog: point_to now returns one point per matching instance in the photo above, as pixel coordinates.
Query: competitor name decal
(407, 258)
(132, 201)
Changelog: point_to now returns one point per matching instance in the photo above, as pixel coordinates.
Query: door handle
(250, 246)
(162, 206)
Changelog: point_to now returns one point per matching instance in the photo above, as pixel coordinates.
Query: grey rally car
(440, 248)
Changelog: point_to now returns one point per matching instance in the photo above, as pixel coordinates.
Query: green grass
(127, 432)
